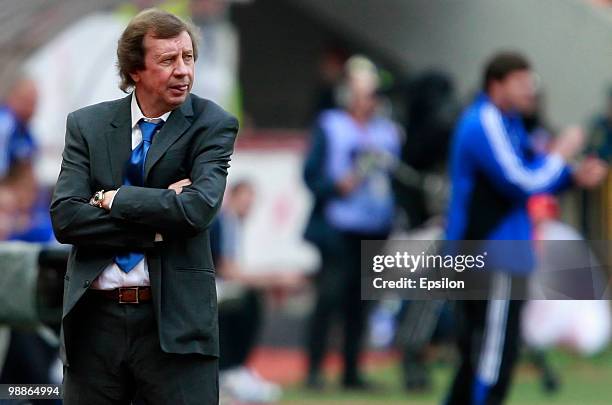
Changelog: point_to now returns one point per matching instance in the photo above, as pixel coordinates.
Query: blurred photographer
(348, 172)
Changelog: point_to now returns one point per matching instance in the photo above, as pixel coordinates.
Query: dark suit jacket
(196, 142)
(318, 230)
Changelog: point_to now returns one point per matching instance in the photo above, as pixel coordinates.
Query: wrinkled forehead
(158, 46)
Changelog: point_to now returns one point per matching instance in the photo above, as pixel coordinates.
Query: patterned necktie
(134, 176)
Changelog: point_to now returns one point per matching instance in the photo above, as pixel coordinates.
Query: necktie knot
(148, 129)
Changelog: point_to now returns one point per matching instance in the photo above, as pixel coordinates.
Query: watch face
(99, 196)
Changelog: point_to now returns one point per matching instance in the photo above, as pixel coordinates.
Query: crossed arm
(138, 212)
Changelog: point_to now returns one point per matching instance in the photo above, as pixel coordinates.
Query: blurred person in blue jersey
(349, 173)
(24, 204)
(494, 171)
(24, 216)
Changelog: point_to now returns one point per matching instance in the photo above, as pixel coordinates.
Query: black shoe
(315, 382)
(417, 383)
(416, 378)
(416, 373)
(550, 383)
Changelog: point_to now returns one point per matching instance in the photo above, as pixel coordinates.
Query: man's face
(519, 91)
(363, 97)
(243, 199)
(23, 100)
(169, 71)
(364, 103)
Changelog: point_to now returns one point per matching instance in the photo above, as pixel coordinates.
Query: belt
(126, 295)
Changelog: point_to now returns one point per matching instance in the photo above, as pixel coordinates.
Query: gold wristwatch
(97, 199)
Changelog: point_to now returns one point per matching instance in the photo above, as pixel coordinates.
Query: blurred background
(277, 65)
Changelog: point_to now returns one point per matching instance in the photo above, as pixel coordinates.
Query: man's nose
(181, 68)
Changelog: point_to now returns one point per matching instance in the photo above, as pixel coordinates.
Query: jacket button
(86, 284)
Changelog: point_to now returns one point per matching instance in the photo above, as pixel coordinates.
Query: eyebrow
(165, 52)
(172, 53)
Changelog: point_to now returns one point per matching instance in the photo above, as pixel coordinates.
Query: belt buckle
(122, 289)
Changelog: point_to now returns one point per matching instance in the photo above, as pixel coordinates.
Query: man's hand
(108, 199)
(178, 186)
(290, 281)
(591, 172)
(110, 195)
(570, 142)
(348, 184)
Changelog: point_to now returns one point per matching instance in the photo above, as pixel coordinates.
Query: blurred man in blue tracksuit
(493, 171)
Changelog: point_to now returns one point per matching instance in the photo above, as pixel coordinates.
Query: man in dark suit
(140, 309)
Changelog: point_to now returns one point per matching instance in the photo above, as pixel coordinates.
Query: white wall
(273, 231)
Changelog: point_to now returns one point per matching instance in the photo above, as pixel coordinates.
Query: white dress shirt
(113, 277)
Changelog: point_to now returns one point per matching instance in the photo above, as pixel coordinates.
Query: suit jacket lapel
(172, 130)
(119, 138)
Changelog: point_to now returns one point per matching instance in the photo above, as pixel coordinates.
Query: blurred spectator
(431, 111)
(584, 326)
(595, 203)
(580, 325)
(23, 205)
(16, 151)
(348, 171)
(24, 216)
(600, 141)
(416, 330)
(430, 114)
(494, 170)
(240, 300)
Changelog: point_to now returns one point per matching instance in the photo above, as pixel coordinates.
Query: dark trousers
(338, 289)
(489, 337)
(418, 325)
(415, 332)
(115, 355)
(239, 324)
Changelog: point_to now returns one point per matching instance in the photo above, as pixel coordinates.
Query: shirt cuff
(110, 204)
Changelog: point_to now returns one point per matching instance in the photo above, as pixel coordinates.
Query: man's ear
(135, 77)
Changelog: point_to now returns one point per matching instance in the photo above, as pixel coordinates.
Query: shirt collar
(137, 114)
